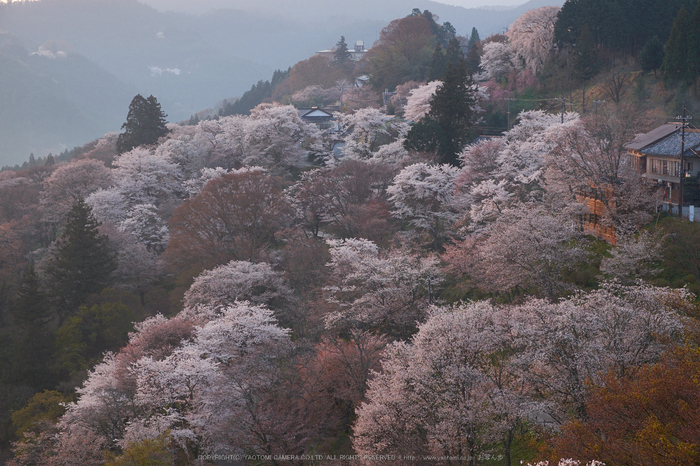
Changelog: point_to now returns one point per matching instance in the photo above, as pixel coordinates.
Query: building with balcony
(657, 155)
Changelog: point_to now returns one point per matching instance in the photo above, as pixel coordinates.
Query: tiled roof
(671, 145)
(643, 140)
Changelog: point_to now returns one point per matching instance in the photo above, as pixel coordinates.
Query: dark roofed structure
(657, 155)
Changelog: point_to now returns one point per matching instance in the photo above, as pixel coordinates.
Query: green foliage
(148, 452)
(681, 254)
(437, 64)
(341, 55)
(33, 336)
(473, 39)
(652, 55)
(255, 96)
(44, 406)
(145, 124)
(622, 25)
(82, 262)
(446, 128)
(586, 60)
(473, 60)
(82, 340)
(674, 66)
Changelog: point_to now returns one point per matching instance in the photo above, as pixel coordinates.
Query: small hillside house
(356, 54)
(657, 155)
(321, 117)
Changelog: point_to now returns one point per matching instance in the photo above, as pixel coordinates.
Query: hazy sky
(479, 3)
(464, 3)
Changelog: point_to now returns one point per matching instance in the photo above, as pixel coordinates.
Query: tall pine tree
(437, 65)
(586, 60)
(652, 55)
(341, 54)
(693, 45)
(675, 66)
(145, 124)
(445, 130)
(82, 262)
(33, 335)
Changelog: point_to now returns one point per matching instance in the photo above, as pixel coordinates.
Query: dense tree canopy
(452, 113)
(82, 261)
(624, 25)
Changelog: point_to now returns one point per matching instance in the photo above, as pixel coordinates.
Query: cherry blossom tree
(633, 258)
(218, 288)
(497, 60)
(423, 195)
(185, 147)
(573, 343)
(531, 36)
(418, 102)
(479, 161)
(275, 136)
(146, 178)
(528, 247)
(369, 130)
(498, 175)
(145, 224)
(373, 290)
(137, 267)
(194, 185)
(108, 205)
(70, 182)
(588, 161)
(445, 392)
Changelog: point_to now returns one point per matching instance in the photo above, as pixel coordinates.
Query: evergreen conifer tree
(674, 67)
(437, 65)
(586, 61)
(693, 46)
(652, 55)
(145, 124)
(453, 54)
(33, 336)
(82, 262)
(341, 55)
(446, 128)
(473, 39)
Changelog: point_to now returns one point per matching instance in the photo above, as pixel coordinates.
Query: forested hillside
(426, 276)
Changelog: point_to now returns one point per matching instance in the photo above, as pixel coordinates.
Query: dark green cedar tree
(33, 335)
(586, 59)
(341, 54)
(446, 128)
(674, 67)
(145, 124)
(82, 262)
(437, 64)
(652, 55)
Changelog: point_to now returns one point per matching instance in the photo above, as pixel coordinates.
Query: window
(655, 166)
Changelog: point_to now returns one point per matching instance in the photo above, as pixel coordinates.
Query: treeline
(621, 26)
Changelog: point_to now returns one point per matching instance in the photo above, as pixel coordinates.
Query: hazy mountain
(190, 59)
(54, 101)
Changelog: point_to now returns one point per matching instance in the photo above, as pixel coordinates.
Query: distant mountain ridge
(189, 62)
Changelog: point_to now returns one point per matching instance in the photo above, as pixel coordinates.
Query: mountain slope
(50, 104)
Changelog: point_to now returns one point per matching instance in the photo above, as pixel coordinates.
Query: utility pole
(509, 100)
(684, 122)
(563, 107)
(596, 102)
